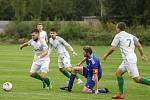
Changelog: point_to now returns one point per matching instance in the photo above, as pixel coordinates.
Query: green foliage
(82, 33)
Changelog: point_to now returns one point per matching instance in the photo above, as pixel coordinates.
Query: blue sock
(100, 91)
(72, 78)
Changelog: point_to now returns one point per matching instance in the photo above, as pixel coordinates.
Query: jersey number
(129, 42)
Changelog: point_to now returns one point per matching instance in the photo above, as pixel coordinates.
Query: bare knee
(119, 73)
(137, 79)
(61, 69)
(32, 74)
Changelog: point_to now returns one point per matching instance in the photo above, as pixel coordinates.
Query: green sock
(145, 81)
(66, 73)
(46, 80)
(37, 76)
(120, 84)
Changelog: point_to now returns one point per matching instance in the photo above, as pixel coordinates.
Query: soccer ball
(7, 86)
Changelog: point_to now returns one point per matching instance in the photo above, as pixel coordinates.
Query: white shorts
(64, 60)
(43, 66)
(129, 67)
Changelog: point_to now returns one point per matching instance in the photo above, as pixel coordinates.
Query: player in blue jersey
(93, 73)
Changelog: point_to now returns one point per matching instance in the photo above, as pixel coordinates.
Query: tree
(20, 7)
(6, 10)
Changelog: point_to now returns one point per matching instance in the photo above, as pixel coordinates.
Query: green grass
(15, 65)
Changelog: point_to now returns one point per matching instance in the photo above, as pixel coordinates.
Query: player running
(127, 43)
(41, 59)
(63, 56)
(93, 73)
(43, 34)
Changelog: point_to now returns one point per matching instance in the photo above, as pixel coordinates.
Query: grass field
(15, 65)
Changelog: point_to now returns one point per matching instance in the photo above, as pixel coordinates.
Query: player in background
(43, 34)
(63, 56)
(41, 58)
(92, 72)
(127, 43)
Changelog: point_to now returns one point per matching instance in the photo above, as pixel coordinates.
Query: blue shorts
(90, 83)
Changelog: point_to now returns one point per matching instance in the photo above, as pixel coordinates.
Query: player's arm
(113, 47)
(43, 54)
(50, 48)
(109, 52)
(46, 38)
(95, 74)
(23, 45)
(68, 46)
(79, 64)
(140, 49)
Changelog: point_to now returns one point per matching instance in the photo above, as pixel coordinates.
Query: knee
(61, 69)
(137, 79)
(42, 77)
(32, 74)
(118, 74)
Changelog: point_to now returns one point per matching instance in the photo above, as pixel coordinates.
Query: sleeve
(50, 47)
(65, 44)
(44, 45)
(29, 42)
(135, 39)
(46, 36)
(115, 41)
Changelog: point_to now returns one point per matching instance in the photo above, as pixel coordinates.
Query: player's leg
(119, 74)
(62, 70)
(33, 71)
(44, 70)
(89, 87)
(66, 62)
(74, 71)
(135, 75)
(61, 66)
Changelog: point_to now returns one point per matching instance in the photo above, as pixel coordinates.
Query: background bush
(76, 32)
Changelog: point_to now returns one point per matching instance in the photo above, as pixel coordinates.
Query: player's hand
(78, 65)
(36, 58)
(144, 58)
(96, 92)
(74, 53)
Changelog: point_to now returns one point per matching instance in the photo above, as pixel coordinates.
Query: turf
(15, 65)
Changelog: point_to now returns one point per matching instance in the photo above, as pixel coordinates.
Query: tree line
(75, 10)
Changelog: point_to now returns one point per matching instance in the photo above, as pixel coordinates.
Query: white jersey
(38, 47)
(59, 45)
(126, 43)
(43, 35)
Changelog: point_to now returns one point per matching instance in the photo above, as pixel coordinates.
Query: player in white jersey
(127, 43)
(43, 34)
(63, 56)
(41, 58)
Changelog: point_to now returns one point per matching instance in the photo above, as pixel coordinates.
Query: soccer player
(63, 56)
(41, 58)
(93, 73)
(43, 34)
(127, 43)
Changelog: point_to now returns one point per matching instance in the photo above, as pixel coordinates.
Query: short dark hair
(53, 30)
(35, 30)
(121, 26)
(87, 49)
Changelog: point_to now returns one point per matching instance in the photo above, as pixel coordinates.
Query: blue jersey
(93, 63)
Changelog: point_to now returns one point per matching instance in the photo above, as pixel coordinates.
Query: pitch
(15, 66)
